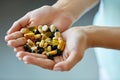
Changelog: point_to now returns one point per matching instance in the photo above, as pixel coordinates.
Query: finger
(44, 63)
(21, 54)
(17, 49)
(68, 63)
(22, 22)
(58, 59)
(18, 42)
(14, 35)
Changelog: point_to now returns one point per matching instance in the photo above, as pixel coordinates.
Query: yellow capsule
(24, 30)
(42, 43)
(54, 52)
(52, 28)
(48, 40)
(44, 36)
(34, 48)
(61, 42)
(49, 48)
(30, 42)
(37, 36)
(44, 28)
(54, 42)
(57, 34)
(32, 28)
(40, 28)
(29, 36)
(45, 45)
(55, 38)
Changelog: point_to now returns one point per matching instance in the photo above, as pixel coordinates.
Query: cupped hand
(76, 43)
(44, 15)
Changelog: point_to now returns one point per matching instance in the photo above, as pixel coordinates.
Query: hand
(44, 15)
(76, 43)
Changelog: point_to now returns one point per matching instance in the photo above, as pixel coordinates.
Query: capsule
(32, 28)
(44, 28)
(52, 28)
(54, 42)
(34, 49)
(40, 50)
(45, 45)
(50, 56)
(42, 43)
(61, 42)
(24, 30)
(54, 52)
(57, 34)
(30, 36)
(37, 36)
(40, 28)
(49, 48)
(30, 43)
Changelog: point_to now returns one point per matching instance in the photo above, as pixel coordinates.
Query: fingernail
(57, 69)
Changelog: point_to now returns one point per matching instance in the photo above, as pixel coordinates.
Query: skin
(62, 14)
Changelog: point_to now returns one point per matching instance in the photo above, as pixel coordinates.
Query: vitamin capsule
(61, 42)
(57, 34)
(24, 30)
(27, 48)
(51, 36)
(42, 43)
(54, 47)
(37, 36)
(29, 36)
(34, 49)
(54, 52)
(30, 43)
(54, 42)
(43, 37)
(48, 34)
(52, 28)
(59, 52)
(44, 28)
(49, 48)
(50, 56)
(48, 40)
(45, 45)
(40, 50)
(32, 28)
(40, 28)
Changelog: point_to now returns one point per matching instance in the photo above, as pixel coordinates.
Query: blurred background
(13, 69)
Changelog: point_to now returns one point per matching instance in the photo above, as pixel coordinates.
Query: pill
(44, 39)
(49, 48)
(44, 28)
(52, 28)
(30, 36)
(50, 56)
(42, 43)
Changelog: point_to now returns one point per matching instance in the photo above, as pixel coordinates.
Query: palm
(75, 46)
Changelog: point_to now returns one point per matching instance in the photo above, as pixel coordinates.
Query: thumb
(69, 63)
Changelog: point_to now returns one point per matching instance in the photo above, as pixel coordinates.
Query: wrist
(90, 32)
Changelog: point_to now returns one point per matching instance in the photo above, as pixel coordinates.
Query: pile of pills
(44, 39)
